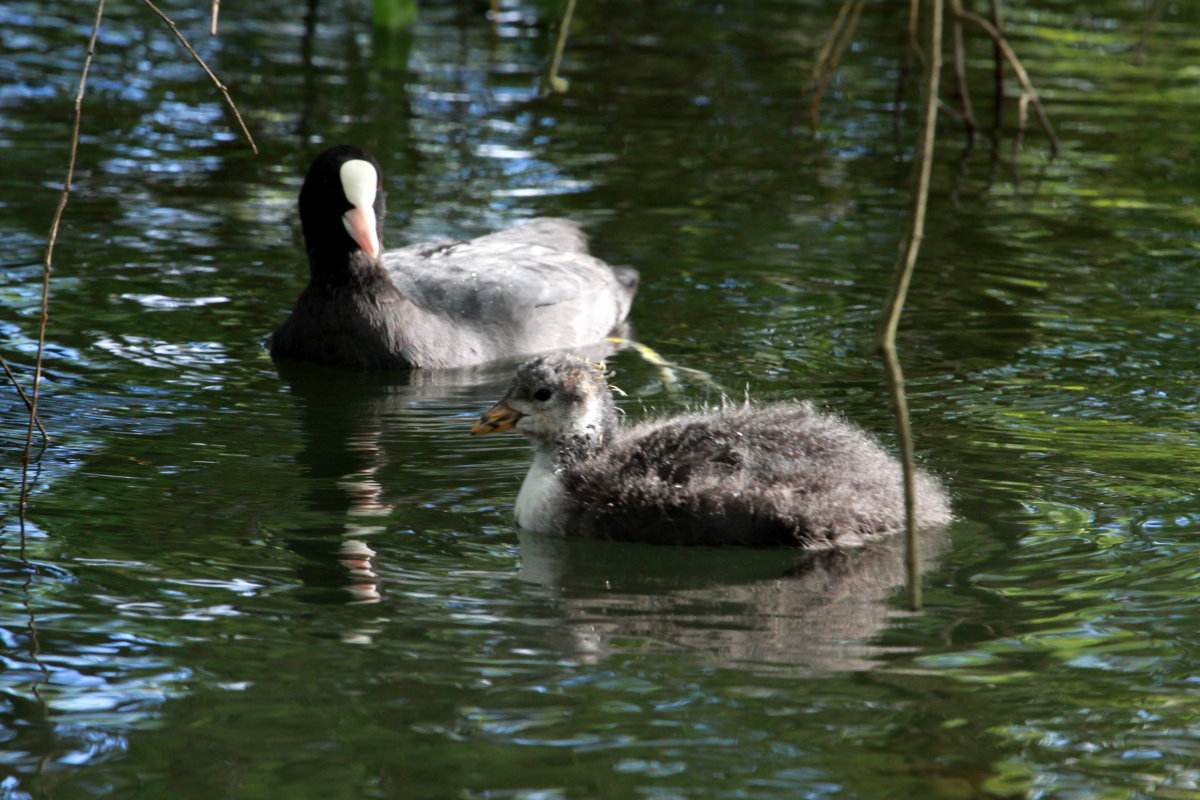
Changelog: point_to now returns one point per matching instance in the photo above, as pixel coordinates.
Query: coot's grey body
(527, 289)
(778, 475)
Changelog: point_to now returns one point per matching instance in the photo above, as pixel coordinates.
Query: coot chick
(774, 475)
(528, 289)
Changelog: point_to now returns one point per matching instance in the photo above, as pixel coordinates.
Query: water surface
(236, 582)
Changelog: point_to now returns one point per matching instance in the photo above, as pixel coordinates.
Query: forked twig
(960, 73)
(832, 49)
(224, 90)
(1011, 57)
(827, 45)
(48, 266)
(906, 262)
(24, 397)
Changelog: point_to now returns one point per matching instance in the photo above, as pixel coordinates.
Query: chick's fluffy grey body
(781, 475)
(784, 474)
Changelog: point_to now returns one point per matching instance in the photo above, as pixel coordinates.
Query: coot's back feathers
(518, 286)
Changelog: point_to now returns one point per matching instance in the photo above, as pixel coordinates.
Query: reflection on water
(241, 579)
(819, 611)
(344, 418)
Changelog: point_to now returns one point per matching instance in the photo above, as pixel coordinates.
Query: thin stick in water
(998, 69)
(964, 89)
(24, 397)
(224, 90)
(905, 264)
(216, 9)
(1011, 57)
(48, 267)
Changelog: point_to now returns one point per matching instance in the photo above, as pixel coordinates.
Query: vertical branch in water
(998, 72)
(909, 248)
(960, 73)
(216, 9)
(48, 266)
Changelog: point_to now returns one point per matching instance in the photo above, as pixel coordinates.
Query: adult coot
(528, 289)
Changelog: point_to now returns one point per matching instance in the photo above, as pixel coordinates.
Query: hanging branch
(224, 89)
(31, 401)
(885, 341)
(216, 9)
(1011, 57)
(48, 266)
(552, 82)
(830, 54)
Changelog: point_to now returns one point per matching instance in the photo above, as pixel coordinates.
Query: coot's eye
(542, 395)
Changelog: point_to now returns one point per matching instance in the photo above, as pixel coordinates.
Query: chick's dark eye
(542, 395)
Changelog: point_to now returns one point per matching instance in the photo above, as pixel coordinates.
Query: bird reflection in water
(815, 612)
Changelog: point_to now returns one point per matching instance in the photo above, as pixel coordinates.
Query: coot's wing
(527, 289)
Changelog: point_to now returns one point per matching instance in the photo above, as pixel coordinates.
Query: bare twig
(216, 9)
(832, 49)
(48, 267)
(953, 112)
(827, 45)
(1011, 57)
(224, 90)
(998, 60)
(840, 49)
(1022, 121)
(24, 398)
(905, 264)
(914, 22)
(1156, 11)
(960, 72)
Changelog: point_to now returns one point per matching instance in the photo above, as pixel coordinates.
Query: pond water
(237, 583)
